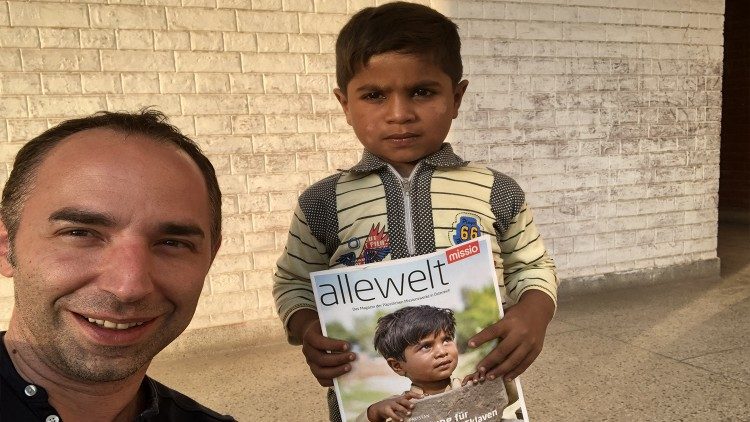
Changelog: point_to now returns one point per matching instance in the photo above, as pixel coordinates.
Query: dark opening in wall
(734, 181)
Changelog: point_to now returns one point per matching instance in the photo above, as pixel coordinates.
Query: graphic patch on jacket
(377, 247)
(466, 227)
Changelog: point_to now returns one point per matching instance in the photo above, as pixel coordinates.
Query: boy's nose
(400, 110)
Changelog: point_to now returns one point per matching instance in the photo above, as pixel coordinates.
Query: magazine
(460, 282)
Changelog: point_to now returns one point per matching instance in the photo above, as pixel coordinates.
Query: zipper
(406, 183)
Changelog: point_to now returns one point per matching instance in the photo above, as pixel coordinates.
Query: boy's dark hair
(409, 325)
(397, 27)
(147, 122)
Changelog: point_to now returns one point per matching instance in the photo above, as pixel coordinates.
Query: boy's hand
(396, 408)
(520, 337)
(324, 366)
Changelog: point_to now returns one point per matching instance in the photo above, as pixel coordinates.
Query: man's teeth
(113, 325)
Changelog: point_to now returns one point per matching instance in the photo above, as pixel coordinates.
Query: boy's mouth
(443, 364)
(401, 136)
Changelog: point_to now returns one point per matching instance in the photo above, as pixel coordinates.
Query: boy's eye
(373, 96)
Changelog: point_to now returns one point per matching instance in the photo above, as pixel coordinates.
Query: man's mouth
(114, 325)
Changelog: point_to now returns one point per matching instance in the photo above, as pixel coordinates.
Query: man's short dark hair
(409, 325)
(147, 122)
(397, 27)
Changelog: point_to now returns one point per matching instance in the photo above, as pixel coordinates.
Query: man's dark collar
(444, 157)
(39, 397)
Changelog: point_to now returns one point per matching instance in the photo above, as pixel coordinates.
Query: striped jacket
(369, 213)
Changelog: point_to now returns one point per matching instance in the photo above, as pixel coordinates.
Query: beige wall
(606, 111)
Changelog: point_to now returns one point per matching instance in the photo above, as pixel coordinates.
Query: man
(109, 226)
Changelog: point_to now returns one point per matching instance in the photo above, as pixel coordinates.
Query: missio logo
(464, 251)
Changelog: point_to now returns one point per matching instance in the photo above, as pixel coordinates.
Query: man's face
(401, 107)
(432, 359)
(111, 253)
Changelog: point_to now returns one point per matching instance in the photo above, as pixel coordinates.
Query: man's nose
(400, 109)
(128, 271)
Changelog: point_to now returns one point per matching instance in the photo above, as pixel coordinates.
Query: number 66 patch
(466, 227)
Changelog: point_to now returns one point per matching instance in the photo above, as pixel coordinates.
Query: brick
(278, 220)
(238, 41)
(201, 19)
(275, 104)
(254, 242)
(272, 43)
(65, 106)
(539, 30)
(176, 83)
(207, 62)
(127, 17)
(325, 104)
(20, 83)
(171, 40)
(140, 83)
(169, 104)
(214, 104)
(492, 29)
(206, 41)
(97, 38)
(273, 62)
(48, 15)
(321, 24)
(312, 123)
(247, 125)
(228, 282)
(101, 83)
(25, 130)
(253, 202)
(19, 37)
(59, 38)
(215, 83)
(281, 124)
(283, 143)
(320, 63)
(134, 61)
(60, 60)
(304, 43)
(61, 83)
(135, 39)
(246, 83)
(255, 21)
(585, 31)
(279, 163)
(280, 84)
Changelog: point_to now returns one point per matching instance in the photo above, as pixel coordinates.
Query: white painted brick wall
(606, 112)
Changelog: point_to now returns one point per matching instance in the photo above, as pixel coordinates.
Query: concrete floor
(677, 351)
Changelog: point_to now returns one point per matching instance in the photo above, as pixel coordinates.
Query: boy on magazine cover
(398, 70)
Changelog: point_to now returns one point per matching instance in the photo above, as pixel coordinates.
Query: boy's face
(401, 107)
(432, 360)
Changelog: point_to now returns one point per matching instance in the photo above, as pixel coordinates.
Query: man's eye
(78, 233)
(178, 244)
(422, 92)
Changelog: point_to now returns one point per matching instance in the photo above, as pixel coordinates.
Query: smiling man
(109, 226)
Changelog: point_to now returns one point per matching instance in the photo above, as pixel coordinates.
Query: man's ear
(6, 266)
(458, 95)
(396, 366)
(344, 101)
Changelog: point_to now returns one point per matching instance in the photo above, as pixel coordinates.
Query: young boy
(398, 69)
(418, 343)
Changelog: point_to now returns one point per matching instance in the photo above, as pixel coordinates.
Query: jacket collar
(444, 157)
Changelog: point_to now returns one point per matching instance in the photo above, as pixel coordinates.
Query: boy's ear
(396, 366)
(6, 266)
(341, 96)
(458, 95)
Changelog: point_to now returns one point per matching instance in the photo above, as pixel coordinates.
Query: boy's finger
(495, 358)
(329, 372)
(322, 358)
(494, 331)
(521, 367)
(320, 342)
(511, 361)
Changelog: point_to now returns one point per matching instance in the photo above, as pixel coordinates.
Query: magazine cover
(376, 306)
